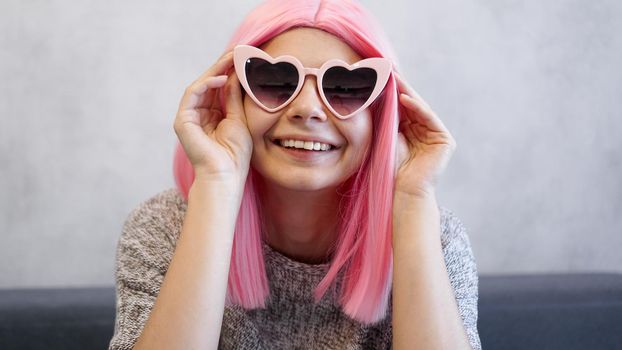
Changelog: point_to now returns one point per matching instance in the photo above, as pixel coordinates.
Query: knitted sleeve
(462, 271)
(144, 251)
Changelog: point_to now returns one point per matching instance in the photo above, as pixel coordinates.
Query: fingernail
(216, 81)
(219, 79)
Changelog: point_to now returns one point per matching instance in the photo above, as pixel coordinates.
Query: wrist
(420, 196)
(216, 188)
(417, 189)
(406, 201)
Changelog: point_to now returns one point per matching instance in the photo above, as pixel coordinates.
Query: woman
(305, 214)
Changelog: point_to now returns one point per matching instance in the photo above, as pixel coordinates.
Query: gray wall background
(530, 90)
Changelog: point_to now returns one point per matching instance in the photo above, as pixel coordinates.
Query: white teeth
(309, 145)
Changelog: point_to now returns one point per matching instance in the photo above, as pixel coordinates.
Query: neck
(301, 225)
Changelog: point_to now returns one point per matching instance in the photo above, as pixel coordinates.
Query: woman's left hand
(424, 144)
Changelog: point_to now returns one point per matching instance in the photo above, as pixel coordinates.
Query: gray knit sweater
(291, 320)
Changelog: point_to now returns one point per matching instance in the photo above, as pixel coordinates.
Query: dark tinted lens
(272, 84)
(346, 90)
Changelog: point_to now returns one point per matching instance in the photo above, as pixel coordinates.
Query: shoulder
(453, 230)
(144, 252)
(161, 205)
(459, 258)
(152, 228)
(162, 211)
(462, 271)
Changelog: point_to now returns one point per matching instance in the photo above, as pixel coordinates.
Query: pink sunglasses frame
(242, 53)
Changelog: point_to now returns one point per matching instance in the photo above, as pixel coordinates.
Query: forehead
(311, 46)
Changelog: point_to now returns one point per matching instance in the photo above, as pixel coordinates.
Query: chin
(307, 182)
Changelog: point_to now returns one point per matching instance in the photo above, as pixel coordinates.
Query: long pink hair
(363, 249)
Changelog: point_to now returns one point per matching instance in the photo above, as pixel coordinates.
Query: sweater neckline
(296, 280)
(277, 258)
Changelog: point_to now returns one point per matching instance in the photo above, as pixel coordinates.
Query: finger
(213, 113)
(212, 78)
(206, 99)
(406, 129)
(404, 87)
(223, 63)
(402, 150)
(422, 114)
(413, 111)
(209, 98)
(233, 95)
(195, 97)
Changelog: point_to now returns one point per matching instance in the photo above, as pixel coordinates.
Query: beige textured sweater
(291, 320)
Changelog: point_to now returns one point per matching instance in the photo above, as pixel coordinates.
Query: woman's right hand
(218, 148)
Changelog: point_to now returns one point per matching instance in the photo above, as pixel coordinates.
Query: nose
(308, 103)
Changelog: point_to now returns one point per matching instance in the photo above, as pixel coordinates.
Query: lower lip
(307, 155)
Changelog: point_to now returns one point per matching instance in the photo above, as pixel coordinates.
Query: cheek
(361, 131)
(258, 123)
(362, 139)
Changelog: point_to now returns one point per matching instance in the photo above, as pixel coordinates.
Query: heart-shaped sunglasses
(274, 82)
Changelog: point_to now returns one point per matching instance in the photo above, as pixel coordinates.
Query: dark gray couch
(574, 311)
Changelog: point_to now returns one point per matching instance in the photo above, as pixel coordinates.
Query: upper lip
(306, 138)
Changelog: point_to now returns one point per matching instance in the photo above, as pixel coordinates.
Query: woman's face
(307, 115)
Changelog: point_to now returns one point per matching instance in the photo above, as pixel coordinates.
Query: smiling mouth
(307, 155)
(277, 142)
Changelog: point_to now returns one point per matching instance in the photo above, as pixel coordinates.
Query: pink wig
(363, 250)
